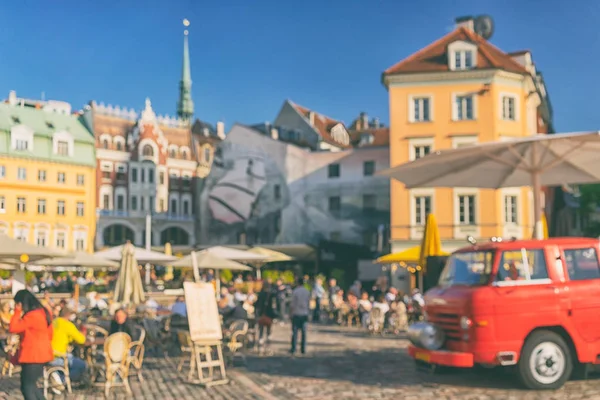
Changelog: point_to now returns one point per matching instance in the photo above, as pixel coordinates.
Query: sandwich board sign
(202, 312)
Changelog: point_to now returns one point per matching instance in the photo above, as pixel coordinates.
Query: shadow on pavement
(387, 367)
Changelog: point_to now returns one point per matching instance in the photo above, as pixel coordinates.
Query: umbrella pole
(195, 267)
(218, 282)
(537, 204)
(18, 279)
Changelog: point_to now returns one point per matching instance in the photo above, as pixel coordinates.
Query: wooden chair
(116, 356)
(11, 348)
(136, 354)
(57, 369)
(234, 339)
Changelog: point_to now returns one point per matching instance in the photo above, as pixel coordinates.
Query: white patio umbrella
(235, 254)
(129, 288)
(79, 259)
(536, 161)
(17, 252)
(207, 260)
(143, 256)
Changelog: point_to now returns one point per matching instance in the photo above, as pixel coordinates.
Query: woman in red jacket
(33, 323)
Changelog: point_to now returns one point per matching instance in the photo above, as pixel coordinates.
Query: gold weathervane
(186, 23)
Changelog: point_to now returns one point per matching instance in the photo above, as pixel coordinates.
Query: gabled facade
(47, 175)
(458, 91)
(149, 165)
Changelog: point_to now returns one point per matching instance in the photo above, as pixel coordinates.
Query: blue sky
(248, 56)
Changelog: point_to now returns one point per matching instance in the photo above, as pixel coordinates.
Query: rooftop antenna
(43, 96)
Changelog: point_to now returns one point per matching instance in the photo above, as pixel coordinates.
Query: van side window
(582, 264)
(522, 265)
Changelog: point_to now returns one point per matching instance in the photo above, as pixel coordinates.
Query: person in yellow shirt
(65, 333)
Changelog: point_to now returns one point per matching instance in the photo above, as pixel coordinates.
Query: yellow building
(47, 175)
(455, 92)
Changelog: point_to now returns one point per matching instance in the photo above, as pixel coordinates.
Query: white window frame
(512, 229)
(24, 211)
(42, 233)
(120, 191)
(23, 176)
(461, 47)
(121, 168)
(416, 231)
(64, 177)
(42, 175)
(2, 171)
(21, 231)
(57, 236)
(2, 205)
(464, 141)
(414, 143)
(64, 207)
(515, 98)
(79, 235)
(411, 107)
(21, 132)
(80, 206)
(119, 139)
(106, 190)
(80, 182)
(106, 166)
(462, 230)
(42, 205)
(455, 97)
(173, 148)
(63, 136)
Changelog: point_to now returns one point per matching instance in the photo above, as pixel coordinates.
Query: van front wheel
(545, 361)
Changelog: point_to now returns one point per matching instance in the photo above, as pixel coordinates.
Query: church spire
(185, 105)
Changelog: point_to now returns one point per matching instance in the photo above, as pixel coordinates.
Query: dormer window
(21, 138)
(463, 59)
(462, 55)
(62, 143)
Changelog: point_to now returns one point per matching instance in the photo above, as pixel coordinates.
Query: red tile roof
(433, 58)
(322, 124)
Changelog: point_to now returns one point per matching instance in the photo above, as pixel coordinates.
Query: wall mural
(273, 192)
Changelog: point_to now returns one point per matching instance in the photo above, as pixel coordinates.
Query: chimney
(274, 134)
(465, 22)
(364, 120)
(376, 123)
(311, 118)
(12, 98)
(221, 130)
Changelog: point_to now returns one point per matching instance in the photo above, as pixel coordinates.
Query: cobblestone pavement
(346, 363)
(342, 363)
(161, 382)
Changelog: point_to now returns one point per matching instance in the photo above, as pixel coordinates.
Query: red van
(534, 304)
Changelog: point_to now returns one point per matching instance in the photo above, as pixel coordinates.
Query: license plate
(426, 357)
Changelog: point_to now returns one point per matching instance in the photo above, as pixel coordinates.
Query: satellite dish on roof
(484, 26)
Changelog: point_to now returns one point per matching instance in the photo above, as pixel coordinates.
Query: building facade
(47, 175)
(147, 169)
(306, 180)
(458, 91)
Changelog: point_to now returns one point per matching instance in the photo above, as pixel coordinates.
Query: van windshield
(469, 268)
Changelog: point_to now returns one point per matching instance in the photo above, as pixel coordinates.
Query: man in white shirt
(300, 309)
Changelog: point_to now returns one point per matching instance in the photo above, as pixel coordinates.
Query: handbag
(265, 321)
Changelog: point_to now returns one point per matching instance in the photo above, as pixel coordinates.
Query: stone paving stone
(347, 363)
(342, 364)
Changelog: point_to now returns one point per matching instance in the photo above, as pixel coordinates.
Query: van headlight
(466, 323)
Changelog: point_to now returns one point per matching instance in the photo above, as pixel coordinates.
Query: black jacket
(265, 306)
